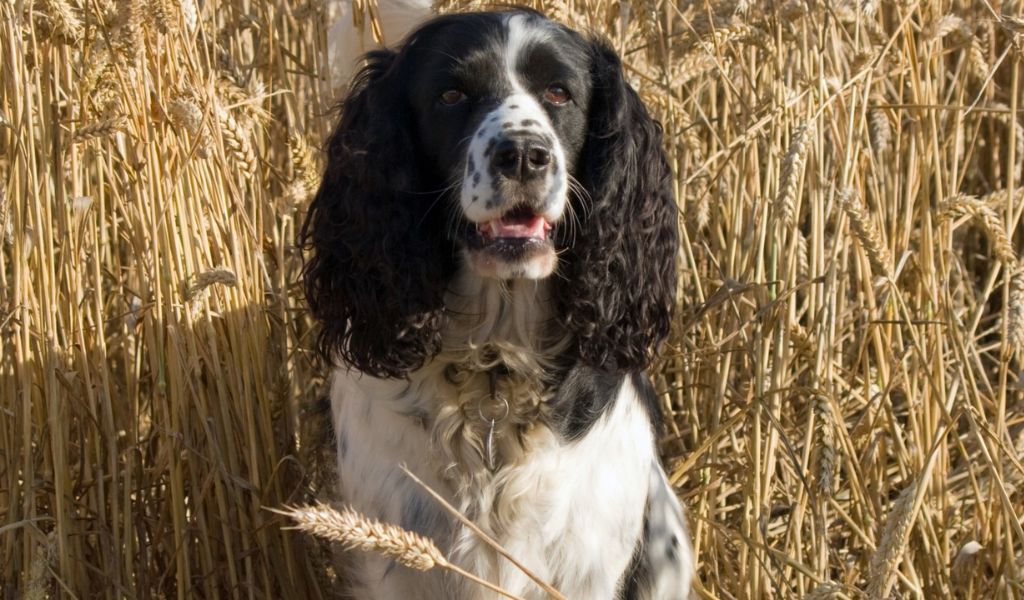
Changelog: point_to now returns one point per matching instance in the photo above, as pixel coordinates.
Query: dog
(491, 262)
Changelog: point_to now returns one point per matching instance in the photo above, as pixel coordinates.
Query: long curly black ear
(620, 271)
(374, 278)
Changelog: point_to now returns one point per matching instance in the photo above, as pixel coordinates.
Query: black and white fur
(496, 224)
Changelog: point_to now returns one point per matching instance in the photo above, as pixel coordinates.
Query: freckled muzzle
(514, 191)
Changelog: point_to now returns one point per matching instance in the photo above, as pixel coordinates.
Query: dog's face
(501, 114)
(508, 145)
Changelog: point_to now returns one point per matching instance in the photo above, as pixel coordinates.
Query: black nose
(521, 159)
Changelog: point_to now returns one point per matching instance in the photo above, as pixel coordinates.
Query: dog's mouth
(519, 243)
(518, 226)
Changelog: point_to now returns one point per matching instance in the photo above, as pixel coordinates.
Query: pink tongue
(528, 227)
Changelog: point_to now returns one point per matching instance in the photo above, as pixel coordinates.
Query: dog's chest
(572, 511)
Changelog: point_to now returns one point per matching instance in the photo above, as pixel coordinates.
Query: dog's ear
(374, 275)
(620, 271)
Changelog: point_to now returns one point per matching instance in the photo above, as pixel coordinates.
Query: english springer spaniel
(492, 264)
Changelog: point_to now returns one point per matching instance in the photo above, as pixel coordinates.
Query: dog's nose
(521, 159)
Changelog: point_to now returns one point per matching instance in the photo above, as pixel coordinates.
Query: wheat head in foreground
(355, 531)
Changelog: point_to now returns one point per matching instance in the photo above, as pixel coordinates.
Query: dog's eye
(452, 97)
(556, 94)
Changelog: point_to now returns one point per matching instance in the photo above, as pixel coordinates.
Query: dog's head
(508, 145)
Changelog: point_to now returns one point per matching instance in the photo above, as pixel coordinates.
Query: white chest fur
(572, 511)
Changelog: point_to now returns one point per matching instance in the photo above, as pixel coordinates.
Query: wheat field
(844, 385)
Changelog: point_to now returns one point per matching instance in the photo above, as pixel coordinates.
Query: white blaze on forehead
(521, 114)
(520, 37)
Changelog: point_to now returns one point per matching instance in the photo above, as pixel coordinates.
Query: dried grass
(354, 531)
(142, 428)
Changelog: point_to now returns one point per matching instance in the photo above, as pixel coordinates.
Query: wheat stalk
(866, 233)
(197, 406)
(944, 26)
(236, 142)
(984, 215)
(64, 19)
(885, 560)
(879, 126)
(356, 532)
(826, 590)
(792, 169)
(220, 275)
(6, 220)
(304, 166)
(162, 16)
(100, 129)
(547, 587)
(826, 448)
(976, 61)
(1015, 312)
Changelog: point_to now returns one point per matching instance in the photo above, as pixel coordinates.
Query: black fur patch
(586, 394)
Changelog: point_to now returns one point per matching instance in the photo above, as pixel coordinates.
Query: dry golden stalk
(1015, 313)
(82, 339)
(230, 91)
(800, 339)
(236, 142)
(358, 532)
(825, 449)
(737, 32)
(986, 216)
(128, 39)
(106, 95)
(889, 553)
(866, 233)
(63, 17)
(183, 112)
(792, 169)
(692, 66)
(99, 57)
(879, 127)
(101, 129)
(39, 582)
(482, 535)
(1004, 115)
(965, 561)
(803, 258)
(977, 64)
(189, 14)
(163, 16)
(6, 220)
(997, 199)
(558, 10)
(826, 590)
(944, 26)
(205, 279)
(304, 166)
(236, 97)
(702, 211)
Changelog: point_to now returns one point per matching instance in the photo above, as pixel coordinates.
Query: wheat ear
(236, 142)
(355, 531)
(102, 128)
(866, 233)
(986, 216)
(1015, 312)
(792, 168)
(887, 557)
(205, 279)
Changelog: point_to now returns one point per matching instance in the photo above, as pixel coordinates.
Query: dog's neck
(491, 322)
(501, 346)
